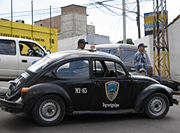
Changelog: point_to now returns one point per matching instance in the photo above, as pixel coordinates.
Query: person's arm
(136, 61)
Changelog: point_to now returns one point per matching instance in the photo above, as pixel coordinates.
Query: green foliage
(128, 41)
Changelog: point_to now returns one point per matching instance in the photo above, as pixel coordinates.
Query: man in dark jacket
(81, 44)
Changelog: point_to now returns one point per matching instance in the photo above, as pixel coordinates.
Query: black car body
(78, 81)
(126, 53)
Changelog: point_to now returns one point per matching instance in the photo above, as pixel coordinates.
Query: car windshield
(127, 55)
(39, 65)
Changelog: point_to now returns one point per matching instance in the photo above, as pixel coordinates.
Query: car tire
(157, 106)
(49, 110)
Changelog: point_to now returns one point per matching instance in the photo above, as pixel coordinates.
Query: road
(124, 123)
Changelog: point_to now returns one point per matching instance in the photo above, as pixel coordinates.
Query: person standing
(81, 44)
(140, 60)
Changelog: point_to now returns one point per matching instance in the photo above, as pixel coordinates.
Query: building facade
(71, 24)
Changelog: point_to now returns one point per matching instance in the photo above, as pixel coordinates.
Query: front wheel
(157, 106)
(49, 110)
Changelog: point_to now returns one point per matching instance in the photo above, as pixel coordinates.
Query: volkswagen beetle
(80, 81)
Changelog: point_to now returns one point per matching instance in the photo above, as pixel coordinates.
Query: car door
(30, 52)
(111, 86)
(8, 59)
(74, 77)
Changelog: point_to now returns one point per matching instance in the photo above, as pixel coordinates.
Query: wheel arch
(38, 91)
(155, 88)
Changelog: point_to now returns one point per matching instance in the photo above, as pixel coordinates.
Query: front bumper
(175, 100)
(11, 106)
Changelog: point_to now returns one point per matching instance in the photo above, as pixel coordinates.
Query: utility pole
(138, 19)
(11, 17)
(50, 25)
(124, 21)
(32, 20)
(160, 39)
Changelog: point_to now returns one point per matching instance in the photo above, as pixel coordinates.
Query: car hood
(145, 78)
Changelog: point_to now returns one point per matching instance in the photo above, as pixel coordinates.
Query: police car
(81, 81)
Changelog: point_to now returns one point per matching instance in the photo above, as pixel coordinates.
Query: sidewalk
(3, 88)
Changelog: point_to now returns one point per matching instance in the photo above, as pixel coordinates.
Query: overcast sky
(106, 22)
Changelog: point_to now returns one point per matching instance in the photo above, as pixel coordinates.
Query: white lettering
(84, 90)
(110, 105)
(77, 90)
(81, 90)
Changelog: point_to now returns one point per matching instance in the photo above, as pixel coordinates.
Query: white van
(17, 54)
(125, 52)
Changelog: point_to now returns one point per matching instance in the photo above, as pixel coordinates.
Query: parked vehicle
(16, 55)
(126, 53)
(81, 81)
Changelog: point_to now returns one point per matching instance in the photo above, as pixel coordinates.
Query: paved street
(3, 84)
(124, 123)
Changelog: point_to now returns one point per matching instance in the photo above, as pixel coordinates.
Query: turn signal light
(24, 90)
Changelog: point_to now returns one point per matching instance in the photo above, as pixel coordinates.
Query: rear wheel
(157, 106)
(49, 110)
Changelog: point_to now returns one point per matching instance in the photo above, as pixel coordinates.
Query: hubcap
(49, 110)
(157, 106)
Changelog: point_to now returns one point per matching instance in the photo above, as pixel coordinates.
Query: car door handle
(24, 61)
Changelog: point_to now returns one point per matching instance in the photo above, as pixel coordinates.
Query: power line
(45, 9)
(109, 9)
(35, 14)
(103, 10)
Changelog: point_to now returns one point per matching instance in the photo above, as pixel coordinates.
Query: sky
(107, 22)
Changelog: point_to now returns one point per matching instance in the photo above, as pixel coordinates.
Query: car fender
(150, 90)
(37, 91)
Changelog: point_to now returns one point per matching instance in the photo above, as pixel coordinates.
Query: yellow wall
(37, 33)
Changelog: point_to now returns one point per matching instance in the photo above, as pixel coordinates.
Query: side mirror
(48, 52)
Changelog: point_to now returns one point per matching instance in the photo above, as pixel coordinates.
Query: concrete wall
(69, 43)
(70, 9)
(90, 29)
(73, 25)
(174, 49)
(55, 22)
(97, 39)
(73, 21)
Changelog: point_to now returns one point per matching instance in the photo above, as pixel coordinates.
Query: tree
(128, 40)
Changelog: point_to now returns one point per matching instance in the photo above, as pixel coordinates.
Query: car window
(74, 69)
(127, 56)
(107, 69)
(98, 69)
(114, 69)
(119, 69)
(30, 49)
(7, 47)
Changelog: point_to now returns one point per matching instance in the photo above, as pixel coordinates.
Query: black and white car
(81, 81)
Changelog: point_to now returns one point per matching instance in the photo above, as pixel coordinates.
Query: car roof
(117, 45)
(18, 39)
(70, 54)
